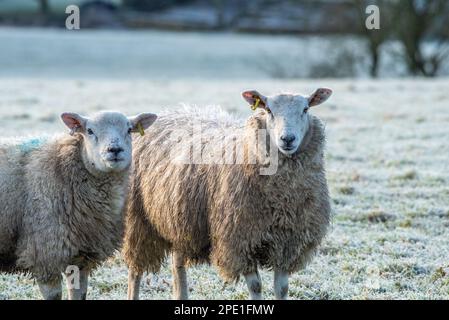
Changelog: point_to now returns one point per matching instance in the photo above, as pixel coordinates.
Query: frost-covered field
(388, 170)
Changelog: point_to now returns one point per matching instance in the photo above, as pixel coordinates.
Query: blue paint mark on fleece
(32, 144)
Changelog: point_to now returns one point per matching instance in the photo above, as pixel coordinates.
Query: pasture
(387, 151)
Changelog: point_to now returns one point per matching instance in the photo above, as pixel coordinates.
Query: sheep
(229, 214)
(63, 199)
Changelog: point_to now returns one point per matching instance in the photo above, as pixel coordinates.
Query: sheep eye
(90, 132)
(305, 110)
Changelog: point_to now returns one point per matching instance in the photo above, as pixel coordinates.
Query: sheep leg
(180, 291)
(79, 292)
(133, 285)
(254, 285)
(280, 284)
(51, 290)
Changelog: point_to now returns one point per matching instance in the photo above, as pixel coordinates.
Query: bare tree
(421, 21)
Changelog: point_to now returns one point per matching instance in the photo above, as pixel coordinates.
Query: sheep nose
(288, 139)
(115, 150)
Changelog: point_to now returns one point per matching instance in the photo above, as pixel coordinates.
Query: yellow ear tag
(140, 128)
(256, 105)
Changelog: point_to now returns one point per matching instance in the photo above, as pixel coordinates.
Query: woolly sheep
(229, 214)
(63, 199)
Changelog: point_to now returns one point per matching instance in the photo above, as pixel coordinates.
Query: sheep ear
(251, 97)
(319, 96)
(142, 121)
(74, 121)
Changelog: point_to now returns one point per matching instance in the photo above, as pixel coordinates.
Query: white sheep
(63, 198)
(227, 213)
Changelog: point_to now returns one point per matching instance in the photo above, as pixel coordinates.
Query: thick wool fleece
(54, 212)
(228, 215)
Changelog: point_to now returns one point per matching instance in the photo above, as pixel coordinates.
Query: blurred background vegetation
(413, 33)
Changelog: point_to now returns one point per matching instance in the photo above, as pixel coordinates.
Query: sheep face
(107, 139)
(287, 117)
